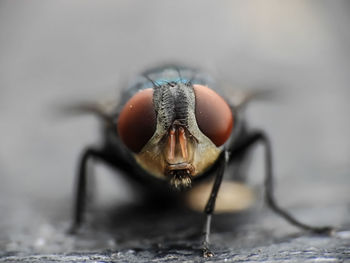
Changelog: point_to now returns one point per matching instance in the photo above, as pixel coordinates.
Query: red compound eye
(137, 121)
(213, 115)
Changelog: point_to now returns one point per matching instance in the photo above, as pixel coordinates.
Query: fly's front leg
(81, 186)
(209, 208)
(260, 137)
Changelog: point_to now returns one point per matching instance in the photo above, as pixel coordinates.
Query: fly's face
(175, 129)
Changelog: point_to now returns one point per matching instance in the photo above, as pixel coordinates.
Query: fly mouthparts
(180, 179)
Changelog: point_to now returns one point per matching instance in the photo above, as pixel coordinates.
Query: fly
(172, 128)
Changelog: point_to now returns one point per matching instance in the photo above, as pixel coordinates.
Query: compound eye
(137, 120)
(213, 115)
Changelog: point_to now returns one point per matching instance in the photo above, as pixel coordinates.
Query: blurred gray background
(53, 52)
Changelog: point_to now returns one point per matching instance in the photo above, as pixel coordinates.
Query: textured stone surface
(135, 234)
(52, 53)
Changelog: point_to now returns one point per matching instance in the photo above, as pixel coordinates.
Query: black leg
(241, 147)
(209, 208)
(81, 186)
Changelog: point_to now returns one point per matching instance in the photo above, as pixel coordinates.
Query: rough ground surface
(136, 234)
(52, 53)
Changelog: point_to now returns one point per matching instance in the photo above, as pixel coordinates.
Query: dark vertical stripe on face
(181, 105)
(171, 102)
(164, 105)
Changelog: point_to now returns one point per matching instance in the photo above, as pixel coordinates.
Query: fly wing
(238, 99)
(104, 109)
